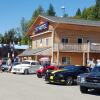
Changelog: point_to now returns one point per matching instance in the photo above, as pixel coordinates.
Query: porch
(73, 47)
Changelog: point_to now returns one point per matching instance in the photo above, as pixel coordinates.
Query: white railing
(85, 47)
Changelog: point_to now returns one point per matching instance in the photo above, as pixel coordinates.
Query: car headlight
(82, 80)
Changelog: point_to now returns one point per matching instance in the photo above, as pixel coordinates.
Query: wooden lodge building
(64, 40)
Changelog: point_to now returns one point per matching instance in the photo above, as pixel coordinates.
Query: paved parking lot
(29, 87)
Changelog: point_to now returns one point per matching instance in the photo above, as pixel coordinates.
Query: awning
(44, 59)
(39, 51)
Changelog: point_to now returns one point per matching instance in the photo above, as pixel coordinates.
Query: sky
(12, 11)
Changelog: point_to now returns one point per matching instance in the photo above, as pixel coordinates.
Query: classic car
(26, 67)
(67, 75)
(42, 70)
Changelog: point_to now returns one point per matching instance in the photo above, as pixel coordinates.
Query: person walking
(1, 64)
(9, 63)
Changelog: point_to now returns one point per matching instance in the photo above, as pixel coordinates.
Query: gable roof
(71, 21)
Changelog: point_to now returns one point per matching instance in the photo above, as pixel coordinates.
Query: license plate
(51, 77)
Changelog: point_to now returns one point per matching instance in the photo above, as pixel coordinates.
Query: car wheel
(69, 81)
(39, 75)
(83, 89)
(26, 71)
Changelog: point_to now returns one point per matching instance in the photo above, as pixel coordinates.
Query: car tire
(83, 89)
(26, 71)
(39, 75)
(69, 81)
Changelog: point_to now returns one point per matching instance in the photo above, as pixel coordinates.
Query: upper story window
(80, 40)
(64, 40)
(47, 41)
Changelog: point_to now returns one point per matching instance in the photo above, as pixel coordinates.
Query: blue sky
(11, 11)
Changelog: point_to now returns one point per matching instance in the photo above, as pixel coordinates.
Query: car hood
(92, 74)
(57, 71)
(22, 65)
(4, 66)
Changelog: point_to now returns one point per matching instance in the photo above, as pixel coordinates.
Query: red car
(41, 72)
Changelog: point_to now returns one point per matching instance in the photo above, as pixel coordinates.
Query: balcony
(85, 47)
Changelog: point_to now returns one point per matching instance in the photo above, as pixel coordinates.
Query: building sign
(42, 27)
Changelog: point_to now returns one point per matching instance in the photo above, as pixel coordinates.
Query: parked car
(4, 66)
(68, 75)
(89, 80)
(26, 67)
(42, 70)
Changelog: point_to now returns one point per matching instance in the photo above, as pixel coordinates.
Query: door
(34, 67)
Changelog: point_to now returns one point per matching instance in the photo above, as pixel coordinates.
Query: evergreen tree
(1, 39)
(38, 11)
(51, 11)
(84, 14)
(97, 10)
(78, 12)
(10, 36)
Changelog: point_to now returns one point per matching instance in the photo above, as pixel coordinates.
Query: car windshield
(3, 63)
(25, 62)
(16, 63)
(96, 69)
(71, 68)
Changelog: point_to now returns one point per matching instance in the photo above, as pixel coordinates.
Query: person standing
(9, 63)
(1, 64)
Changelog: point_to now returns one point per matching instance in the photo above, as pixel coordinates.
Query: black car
(68, 75)
(89, 80)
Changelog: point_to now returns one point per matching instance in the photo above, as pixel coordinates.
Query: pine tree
(50, 11)
(38, 11)
(78, 12)
(97, 10)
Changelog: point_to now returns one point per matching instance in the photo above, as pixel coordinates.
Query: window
(47, 40)
(64, 40)
(80, 40)
(65, 60)
(33, 63)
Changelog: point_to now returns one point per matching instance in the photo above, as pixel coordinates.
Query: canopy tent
(44, 59)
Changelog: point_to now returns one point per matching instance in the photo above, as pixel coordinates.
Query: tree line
(19, 36)
(91, 13)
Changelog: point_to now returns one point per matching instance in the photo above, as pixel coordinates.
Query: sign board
(42, 27)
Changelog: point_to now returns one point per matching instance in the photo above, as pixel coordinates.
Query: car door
(34, 67)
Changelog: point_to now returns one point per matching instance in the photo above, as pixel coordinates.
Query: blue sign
(41, 27)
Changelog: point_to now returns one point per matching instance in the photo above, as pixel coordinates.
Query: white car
(26, 67)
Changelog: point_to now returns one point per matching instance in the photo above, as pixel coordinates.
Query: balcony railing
(85, 47)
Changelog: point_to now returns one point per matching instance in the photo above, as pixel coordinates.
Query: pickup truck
(89, 80)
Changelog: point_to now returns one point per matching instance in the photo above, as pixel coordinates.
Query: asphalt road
(29, 87)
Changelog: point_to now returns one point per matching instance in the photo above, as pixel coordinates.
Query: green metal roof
(72, 21)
